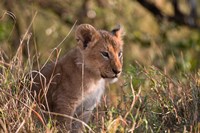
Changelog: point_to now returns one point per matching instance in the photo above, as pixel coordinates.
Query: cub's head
(102, 51)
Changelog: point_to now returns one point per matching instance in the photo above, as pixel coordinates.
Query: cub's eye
(120, 54)
(105, 54)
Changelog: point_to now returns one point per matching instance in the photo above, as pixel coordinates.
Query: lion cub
(75, 83)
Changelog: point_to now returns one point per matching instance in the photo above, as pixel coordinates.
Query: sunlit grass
(154, 102)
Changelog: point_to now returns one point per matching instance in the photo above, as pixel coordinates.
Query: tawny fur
(74, 85)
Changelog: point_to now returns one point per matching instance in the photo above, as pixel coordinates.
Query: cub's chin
(111, 80)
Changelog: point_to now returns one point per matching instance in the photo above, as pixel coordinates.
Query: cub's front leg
(77, 126)
(65, 107)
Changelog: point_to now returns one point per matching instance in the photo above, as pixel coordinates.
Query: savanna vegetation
(159, 90)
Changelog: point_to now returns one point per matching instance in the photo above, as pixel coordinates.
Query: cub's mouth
(110, 77)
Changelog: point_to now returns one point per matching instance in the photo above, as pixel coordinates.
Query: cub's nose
(116, 71)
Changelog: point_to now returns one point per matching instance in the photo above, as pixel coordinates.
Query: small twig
(134, 100)
(66, 35)
(5, 64)
(117, 120)
(3, 126)
(20, 126)
(12, 15)
(26, 34)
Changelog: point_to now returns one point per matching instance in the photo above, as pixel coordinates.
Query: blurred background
(161, 54)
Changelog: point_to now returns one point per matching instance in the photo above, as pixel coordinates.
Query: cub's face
(102, 51)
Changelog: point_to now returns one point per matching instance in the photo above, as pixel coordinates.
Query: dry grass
(151, 102)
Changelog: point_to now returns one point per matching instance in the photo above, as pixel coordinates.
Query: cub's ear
(118, 31)
(86, 35)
